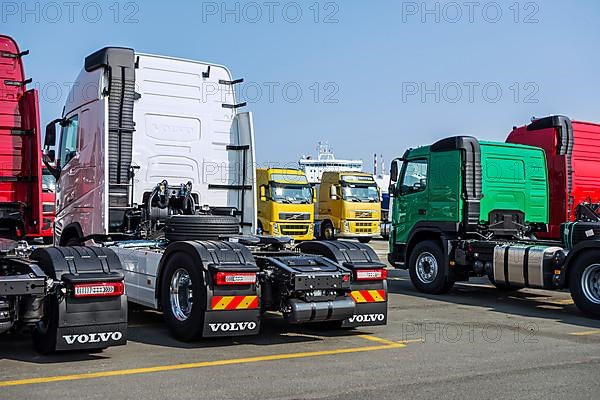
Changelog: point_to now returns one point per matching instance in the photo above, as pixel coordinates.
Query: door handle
(422, 211)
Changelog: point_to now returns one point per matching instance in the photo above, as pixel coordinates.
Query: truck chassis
(223, 287)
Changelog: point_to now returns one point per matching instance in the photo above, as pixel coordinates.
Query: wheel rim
(328, 232)
(427, 267)
(181, 295)
(590, 283)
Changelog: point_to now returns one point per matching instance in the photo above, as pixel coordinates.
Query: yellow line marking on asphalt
(381, 340)
(586, 333)
(412, 341)
(275, 357)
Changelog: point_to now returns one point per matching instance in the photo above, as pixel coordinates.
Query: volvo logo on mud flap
(102, 337)
(366, 318)
(232, 326)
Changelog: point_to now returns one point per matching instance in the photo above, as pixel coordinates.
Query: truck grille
(364, 214)
(294, 216)
(364, 227)
(294, 230)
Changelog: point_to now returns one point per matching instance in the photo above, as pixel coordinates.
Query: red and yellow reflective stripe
(234, 302)
(368, 296)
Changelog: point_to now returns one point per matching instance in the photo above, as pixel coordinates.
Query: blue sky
(375, 77)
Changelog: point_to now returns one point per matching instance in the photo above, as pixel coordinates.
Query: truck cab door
(68, 157)
(411, 204)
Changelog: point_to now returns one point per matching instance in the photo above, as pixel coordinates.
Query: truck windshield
(360, 193)
(48, 181)
(291, 194)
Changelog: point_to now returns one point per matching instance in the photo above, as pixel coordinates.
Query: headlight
(346, 226)
(275, 228)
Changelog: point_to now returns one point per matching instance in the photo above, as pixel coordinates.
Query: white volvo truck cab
(156, 162)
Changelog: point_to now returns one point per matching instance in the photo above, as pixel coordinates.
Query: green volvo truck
(464, 208)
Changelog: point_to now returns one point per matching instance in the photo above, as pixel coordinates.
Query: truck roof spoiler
(566, 140)
(472, 175)
(565, 131)
(121, 64)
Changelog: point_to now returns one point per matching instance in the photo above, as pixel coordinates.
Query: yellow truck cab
(285, 203)
(348, 206)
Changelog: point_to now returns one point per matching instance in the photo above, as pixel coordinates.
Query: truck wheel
(327, 231)
(427, 270)
(44, 334)
(364, 239)
(584, 284)
(183, 297)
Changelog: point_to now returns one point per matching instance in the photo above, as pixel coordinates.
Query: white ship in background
(326, 161)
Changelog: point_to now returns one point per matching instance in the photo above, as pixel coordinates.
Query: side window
(414, 178)
(68, 140)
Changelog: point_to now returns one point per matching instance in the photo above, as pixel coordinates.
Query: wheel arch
(206, 255)
(70, 231)
(580, 250)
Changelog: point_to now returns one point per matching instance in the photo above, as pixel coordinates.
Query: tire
(183, 327)
(44, 334)
(201, 227)
(503, 287)
(426, 268)
(364, 240)
(327, 231)
(584, 283)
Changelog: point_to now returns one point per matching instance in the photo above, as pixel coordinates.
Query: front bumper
(299, 231)
(357, 229)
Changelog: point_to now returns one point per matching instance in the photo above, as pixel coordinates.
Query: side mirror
(50, 137)
(263, 193)
(395, 170)
(333, 192)
(314, 194)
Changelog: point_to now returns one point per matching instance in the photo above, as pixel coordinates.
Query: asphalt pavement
(472, 343)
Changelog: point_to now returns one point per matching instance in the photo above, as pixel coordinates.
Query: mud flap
(371, 304)
(91, 337)
(231, 323)
(83, 323)
(93, 323)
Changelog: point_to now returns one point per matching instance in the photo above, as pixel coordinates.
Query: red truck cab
(573, 159)
(20, 163)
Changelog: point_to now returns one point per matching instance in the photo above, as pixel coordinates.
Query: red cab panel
(573, 157)
(20, 164)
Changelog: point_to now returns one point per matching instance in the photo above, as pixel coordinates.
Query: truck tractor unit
(464, 208)
(348, 206)
(156, 164)
(69, 298)
(573, 161)
(285, 203)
